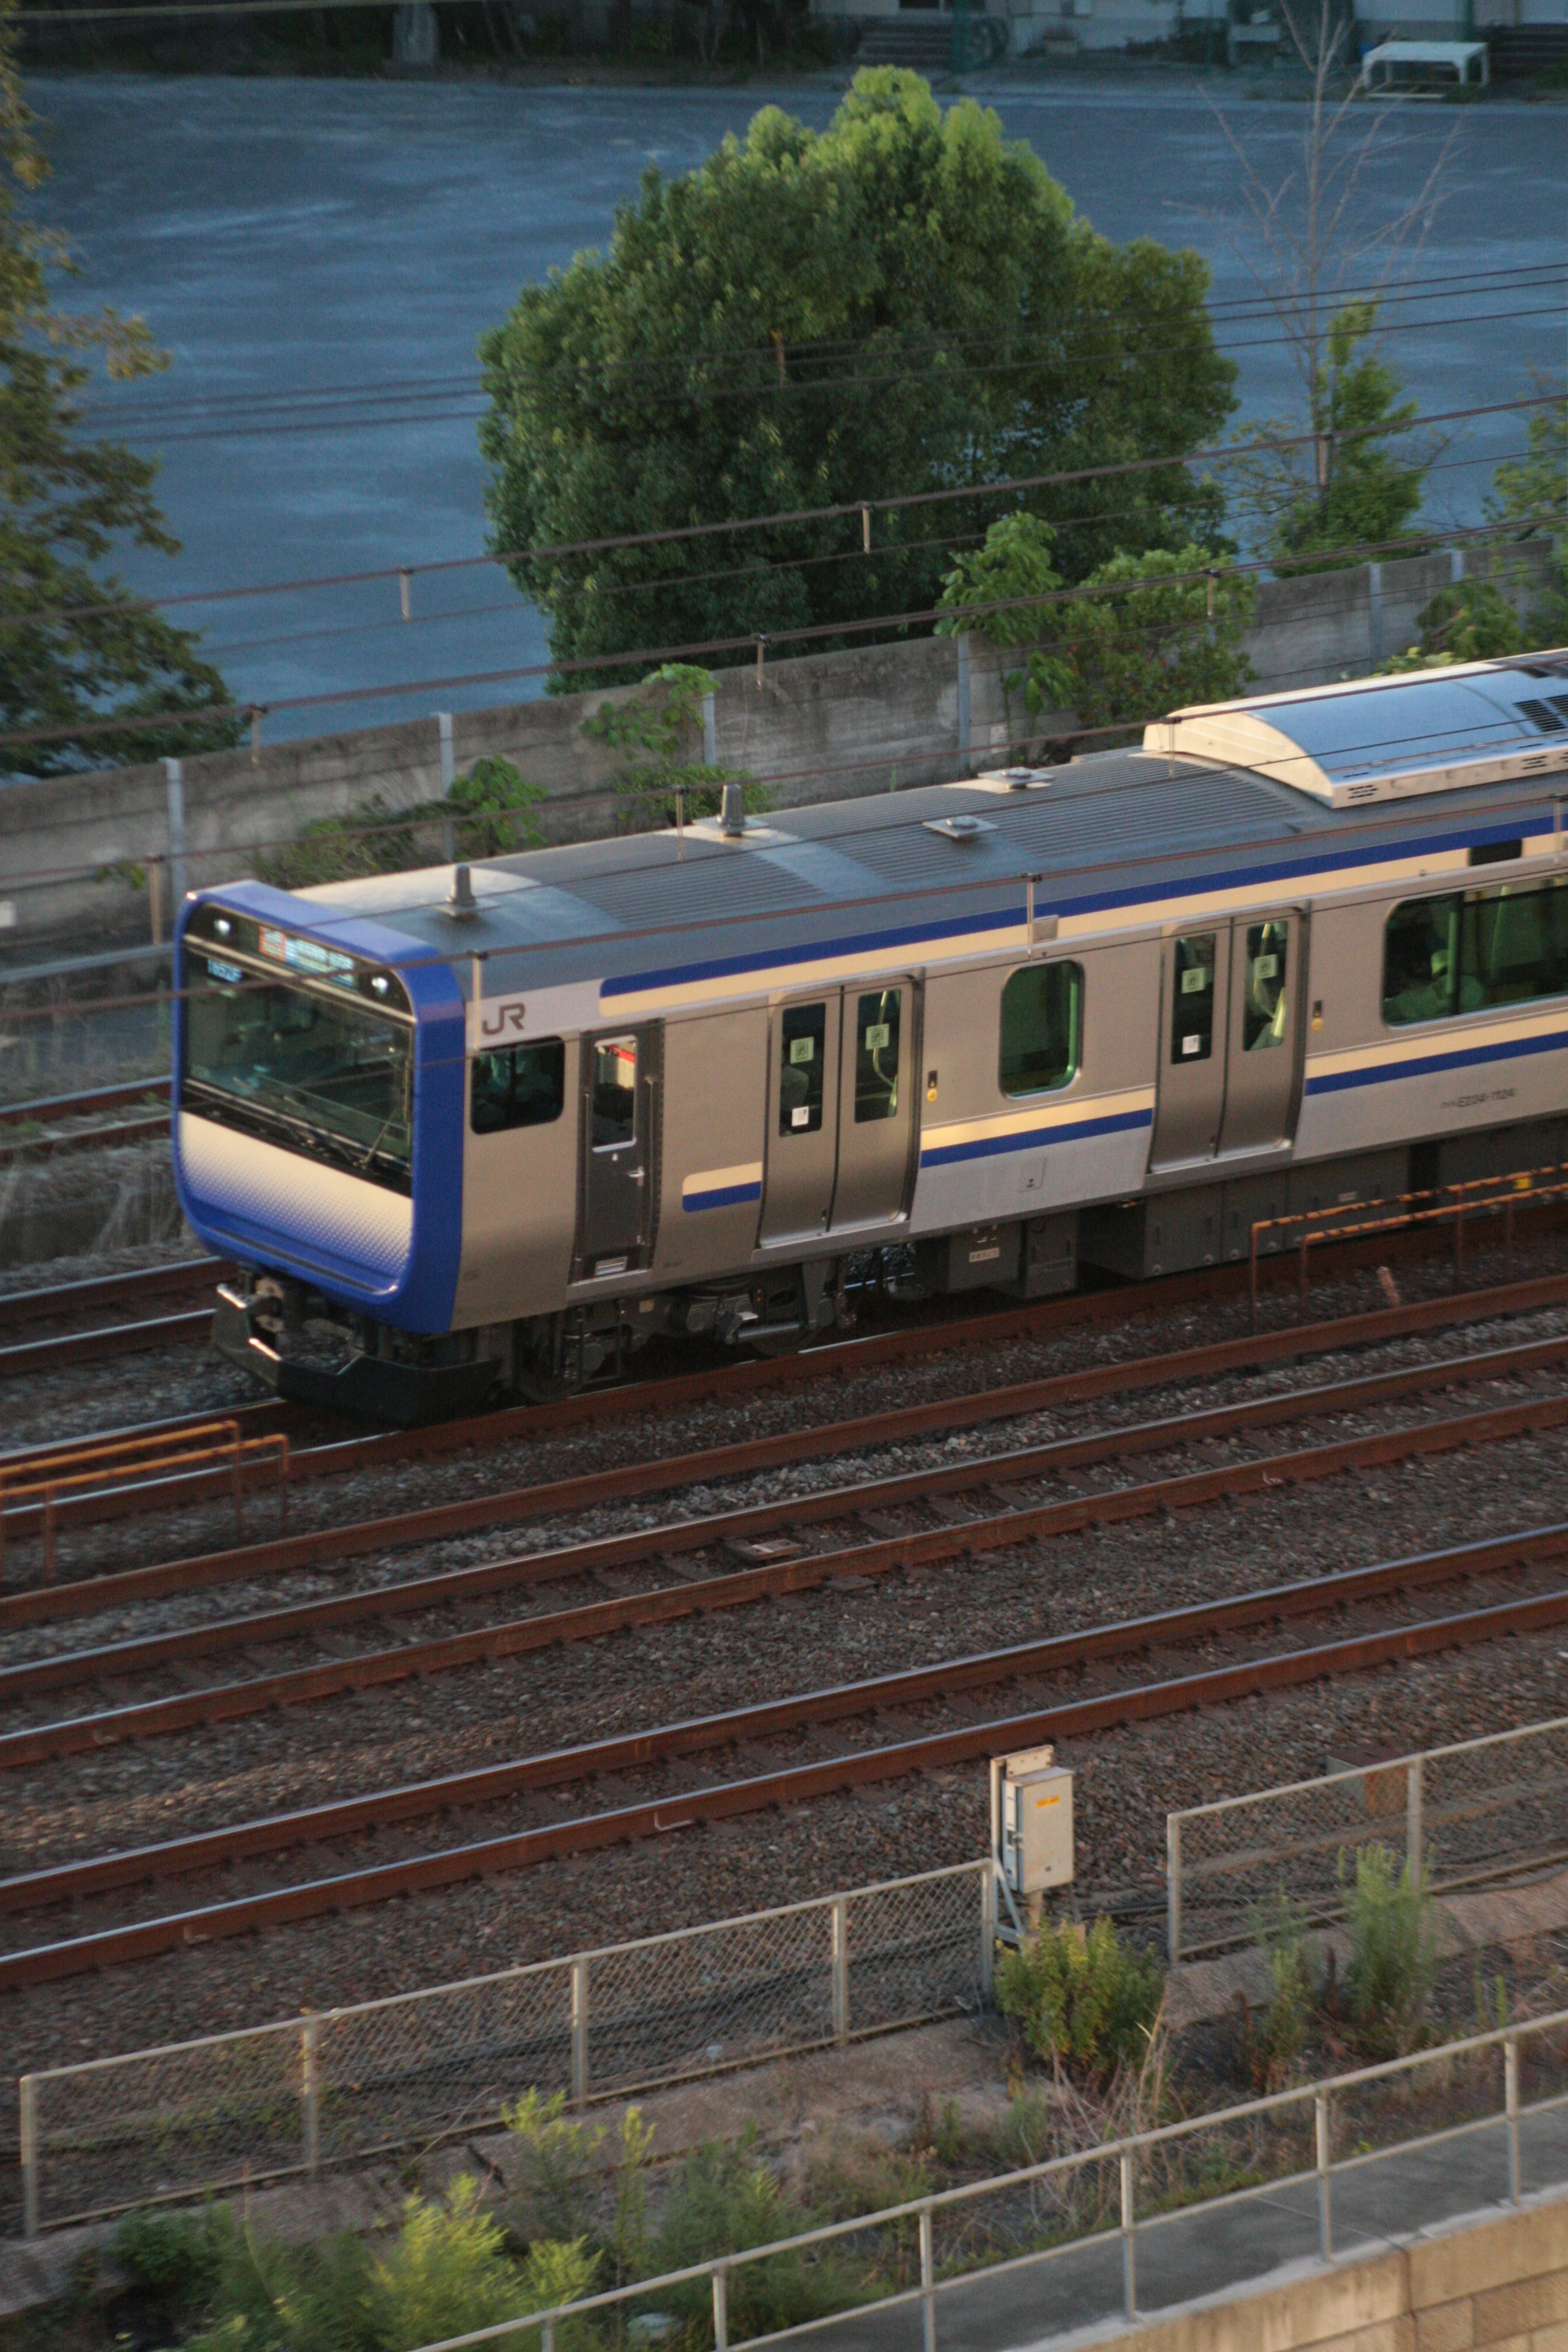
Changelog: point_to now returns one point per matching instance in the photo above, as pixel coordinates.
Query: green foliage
(1152, 645)
(487, 811)
(1363, 493)
(901, 303)
(492, 801)
(664, 719)
(558, 2159)
(178, 2257)
(1536, 484)
(65, 503)
(1146, 643)
(1085, 2002)
(722, 2200)
(1274, 2049)
(449, 2272)
(1394, 1954)
(1015, 572)
(274, 2298)
(1470, 620)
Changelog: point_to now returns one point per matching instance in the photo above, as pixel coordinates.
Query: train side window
(1266, 1006)
(1042, 1027)
(1513, 946)
(876, 1056)
(803, 1051)
(522, 1086)
(1192, 1006)
(615, 1092)
(1421, 960)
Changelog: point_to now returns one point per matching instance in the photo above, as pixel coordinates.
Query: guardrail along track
(797, 1570)
(789, 1785)
(438, 1521)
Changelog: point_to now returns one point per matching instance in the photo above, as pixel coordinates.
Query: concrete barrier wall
(824, 727)
(1493, 2286)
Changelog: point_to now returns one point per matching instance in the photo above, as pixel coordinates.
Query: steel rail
(54, 1141)
(834, 1358)
(486, 1784)
(113, 1340)
(792, 1785)
(662, 1604)
(41, 1603)
(43, 1107)
(107, 1290)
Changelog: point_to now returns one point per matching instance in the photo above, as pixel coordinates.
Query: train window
(1513, 946)
(522, 1086)
(1462, 954)
(615, 1092)
(1192, 1002)
(876, 1056)
(1265, 1008)
(1421, 959)
(1042, 1024)
(802, 1052)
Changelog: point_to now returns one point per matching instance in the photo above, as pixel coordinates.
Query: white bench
(1456, 56)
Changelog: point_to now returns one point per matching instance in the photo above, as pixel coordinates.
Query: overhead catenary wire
(393, 404)
(674, 534)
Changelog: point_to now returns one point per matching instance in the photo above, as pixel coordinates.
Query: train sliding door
(1230, 1039)
(1262, 1074)
(1195, 1022)
(840, 1111)
(617, 1149)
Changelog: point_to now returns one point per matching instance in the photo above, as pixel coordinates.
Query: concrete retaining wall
(1494, 2287)
(826, 727)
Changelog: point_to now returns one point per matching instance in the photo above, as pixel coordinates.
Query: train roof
(1237, 796)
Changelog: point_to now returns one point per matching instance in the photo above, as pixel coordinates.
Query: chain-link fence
(1479, 1810)
(346, 2083)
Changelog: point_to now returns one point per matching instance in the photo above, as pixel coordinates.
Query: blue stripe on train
(1466, 1058)
(724, 1196)
(991, 1147)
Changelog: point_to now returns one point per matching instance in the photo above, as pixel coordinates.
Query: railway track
(791, 1783)
(760, 1528)
(58, 1123)
(40, 1348)
(517, 1506)
(386, 1450)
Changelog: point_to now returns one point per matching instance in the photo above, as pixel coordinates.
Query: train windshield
(317, 1071)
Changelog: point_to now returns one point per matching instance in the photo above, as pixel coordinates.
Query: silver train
(471, 1129)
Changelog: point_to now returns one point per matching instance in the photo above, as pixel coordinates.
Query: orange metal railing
(1479, 1196)
(76, 1470)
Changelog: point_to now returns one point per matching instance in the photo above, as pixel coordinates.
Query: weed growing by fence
(1086, 2002)
(1392, 1956)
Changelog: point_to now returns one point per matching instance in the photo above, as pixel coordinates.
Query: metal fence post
(1414, 1778)
(310, 2091)
(720, 2310)
(840, 1924)
(1129, 2246)
(1325, 2208)
(579, 2032)
(988, 1933)
(1510, 2104)
(1174, 1888)
(28, 2135)
(928, 2284)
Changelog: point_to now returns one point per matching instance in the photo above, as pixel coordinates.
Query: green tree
(65, 503)
(901, 303)
(1534, 487)
(1471, 621)
(1146, 634)
(1362, 491)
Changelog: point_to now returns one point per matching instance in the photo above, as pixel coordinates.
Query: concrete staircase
(923, 42)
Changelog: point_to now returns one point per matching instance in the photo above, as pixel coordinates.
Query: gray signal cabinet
(1032, 1821)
